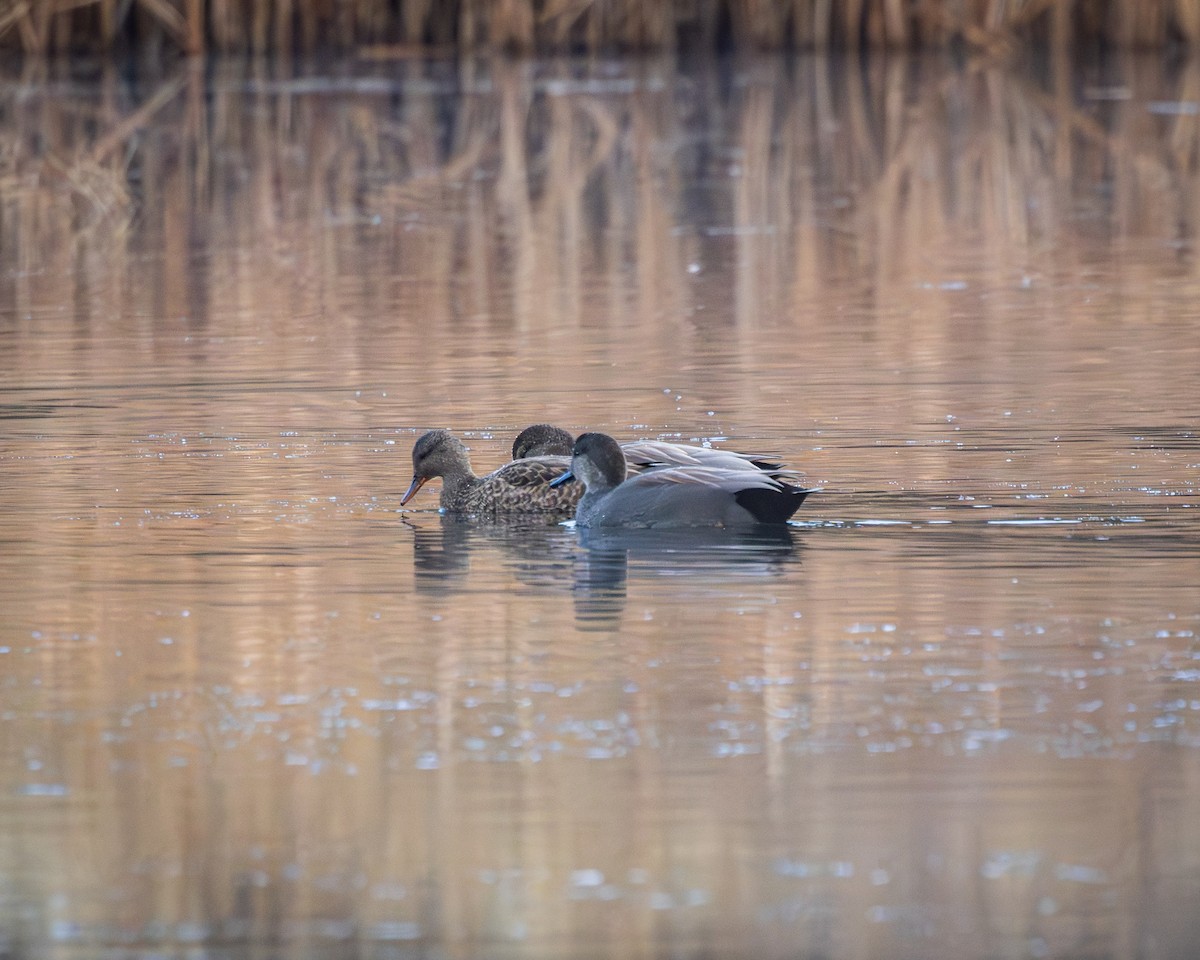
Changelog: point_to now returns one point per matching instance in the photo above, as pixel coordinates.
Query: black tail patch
(771, 506)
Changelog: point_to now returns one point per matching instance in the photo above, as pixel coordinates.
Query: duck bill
(557, 481)
(417, 484)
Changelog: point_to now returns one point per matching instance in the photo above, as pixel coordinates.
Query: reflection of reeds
(535, 161)
(46, 166)
(286, 26)
(610, 194)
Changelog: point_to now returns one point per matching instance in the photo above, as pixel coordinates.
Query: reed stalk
(285, 27)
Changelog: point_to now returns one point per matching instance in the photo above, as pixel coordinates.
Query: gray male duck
(544, 439)
(519, 487)
(680, 496)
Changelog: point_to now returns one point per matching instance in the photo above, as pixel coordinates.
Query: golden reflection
(247, 703)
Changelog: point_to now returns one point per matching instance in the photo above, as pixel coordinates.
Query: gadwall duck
(522, 486)
(544, 439)
(685, 496)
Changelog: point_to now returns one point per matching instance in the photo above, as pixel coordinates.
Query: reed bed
(391, 28)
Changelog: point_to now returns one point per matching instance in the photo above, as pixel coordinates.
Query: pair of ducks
(645, 483)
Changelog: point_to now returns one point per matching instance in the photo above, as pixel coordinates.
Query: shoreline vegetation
(386, 29)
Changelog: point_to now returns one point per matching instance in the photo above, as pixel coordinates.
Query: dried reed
(544, 26)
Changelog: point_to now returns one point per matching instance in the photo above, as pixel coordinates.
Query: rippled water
(251, 707)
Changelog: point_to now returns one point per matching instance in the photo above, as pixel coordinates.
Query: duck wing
(530, 472)
(706, 477)
(652, 454)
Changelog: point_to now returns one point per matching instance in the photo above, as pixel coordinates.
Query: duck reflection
(593, 565)
(537, 550)
(611, 557)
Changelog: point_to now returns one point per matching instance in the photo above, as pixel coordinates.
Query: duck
(545, 439)
(676, 496)
(542, 440)
(519, 487)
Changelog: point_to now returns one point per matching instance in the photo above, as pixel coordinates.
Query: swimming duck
(544, 439)
(522, 486)
(683, 496)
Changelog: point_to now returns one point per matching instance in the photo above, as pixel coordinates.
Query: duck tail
(768, 505)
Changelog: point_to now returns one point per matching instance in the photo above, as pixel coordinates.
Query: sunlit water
(252, 708)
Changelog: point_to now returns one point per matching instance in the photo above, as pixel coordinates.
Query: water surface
(254, 708)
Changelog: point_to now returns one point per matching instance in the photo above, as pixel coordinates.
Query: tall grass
(395, 27)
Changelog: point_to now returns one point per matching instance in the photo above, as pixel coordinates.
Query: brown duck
(519, 487)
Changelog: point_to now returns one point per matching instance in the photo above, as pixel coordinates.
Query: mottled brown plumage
(519, 487)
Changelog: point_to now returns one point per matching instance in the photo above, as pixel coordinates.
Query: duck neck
(457, 487)
(596, 481)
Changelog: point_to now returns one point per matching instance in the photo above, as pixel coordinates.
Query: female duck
(685, 496)
(544, 439)
(520, 487)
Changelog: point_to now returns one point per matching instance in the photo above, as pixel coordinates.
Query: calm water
(252, 708)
